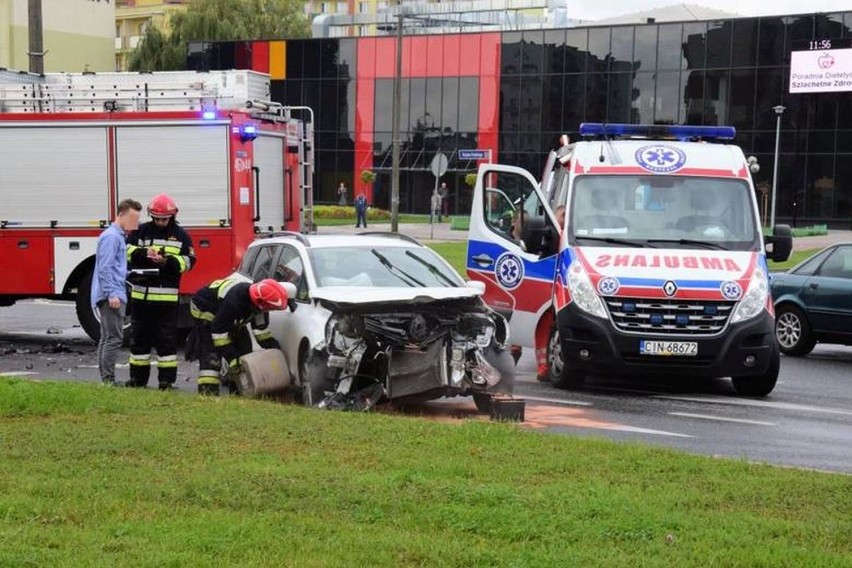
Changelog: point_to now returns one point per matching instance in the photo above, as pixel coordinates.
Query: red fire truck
(73, 145)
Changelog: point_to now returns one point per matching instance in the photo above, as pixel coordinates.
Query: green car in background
(813, 301)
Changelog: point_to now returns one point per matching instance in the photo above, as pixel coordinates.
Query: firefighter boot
(207, 389)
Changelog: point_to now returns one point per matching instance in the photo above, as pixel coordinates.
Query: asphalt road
(805, 422)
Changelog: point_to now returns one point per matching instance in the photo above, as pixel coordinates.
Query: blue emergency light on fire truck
(74, 145)
(639, 253)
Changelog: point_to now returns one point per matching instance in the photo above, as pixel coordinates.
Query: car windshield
(663, 212)
(383, 267)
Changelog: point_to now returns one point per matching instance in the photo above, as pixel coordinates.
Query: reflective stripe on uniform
(198, 314)
(224, 286)
(208, 379)
(130, 250)
(262, 334)
(172, 250)
(140, 360)
(182, 262)
(154, 293)
(167, 361)
(220, 339)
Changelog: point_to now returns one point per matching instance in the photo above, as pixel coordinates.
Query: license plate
(668, 348)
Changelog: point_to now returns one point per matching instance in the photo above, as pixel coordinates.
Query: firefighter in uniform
(222, 311)
(161, 251)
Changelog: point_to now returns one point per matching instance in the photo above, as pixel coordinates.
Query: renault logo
(670, 288)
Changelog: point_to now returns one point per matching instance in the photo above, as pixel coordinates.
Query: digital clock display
(818, 44)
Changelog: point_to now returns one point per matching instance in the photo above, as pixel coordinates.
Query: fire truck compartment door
(269, 159)
(68, 253)
(54, 175)
(189, 162)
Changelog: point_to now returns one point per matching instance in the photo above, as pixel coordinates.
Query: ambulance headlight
(754, 300)
(582, 291)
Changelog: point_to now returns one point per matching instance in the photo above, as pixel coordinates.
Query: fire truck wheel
(88, 316)
(760, 385)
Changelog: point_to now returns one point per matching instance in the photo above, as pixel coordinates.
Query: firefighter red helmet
(162, 206)
(268, 295)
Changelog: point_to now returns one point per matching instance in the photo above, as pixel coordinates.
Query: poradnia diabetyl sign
(821, 71)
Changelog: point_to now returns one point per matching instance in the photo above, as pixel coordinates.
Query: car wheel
(793, 331)
(760, 385)
(501, 360)
(312, 376)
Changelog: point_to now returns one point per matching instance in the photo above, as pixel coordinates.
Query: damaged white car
(381, 317)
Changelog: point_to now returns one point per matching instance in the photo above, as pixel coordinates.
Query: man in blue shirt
(361, 210)
(109, 292)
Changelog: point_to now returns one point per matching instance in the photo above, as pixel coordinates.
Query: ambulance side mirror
(780, 244)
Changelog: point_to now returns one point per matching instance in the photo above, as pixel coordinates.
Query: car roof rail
(390, 234)
(292, 234)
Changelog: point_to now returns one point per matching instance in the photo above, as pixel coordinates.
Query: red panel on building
(366, 66)
(469, 55)
(418, 46)
(452, 44)
(435, 59)
(365, 96)
(260, 56)
(490, 54)
(385, 57)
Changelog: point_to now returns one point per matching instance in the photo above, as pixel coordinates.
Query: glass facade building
(515, 93)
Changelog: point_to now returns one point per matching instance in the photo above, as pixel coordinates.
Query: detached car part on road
(380, 316)
(813, 301)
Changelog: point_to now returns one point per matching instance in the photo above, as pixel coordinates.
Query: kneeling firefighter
(222, 311)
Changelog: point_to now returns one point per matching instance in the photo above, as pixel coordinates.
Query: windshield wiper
(397, 271)
(433, 269)
(613, 241)
(705, 244)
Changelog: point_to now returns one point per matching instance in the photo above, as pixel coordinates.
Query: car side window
(811, 266)
(265, 260)
(839, 264)
(248, 260)
(290, 268)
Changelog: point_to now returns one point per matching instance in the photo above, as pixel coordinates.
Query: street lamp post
(779, 110)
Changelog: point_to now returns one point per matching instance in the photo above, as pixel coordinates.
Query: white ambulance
(640, 253)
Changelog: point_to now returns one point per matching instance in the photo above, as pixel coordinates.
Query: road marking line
(17, 373)
(721, 418)
(757, 403)
(636, 430)
(556, 401)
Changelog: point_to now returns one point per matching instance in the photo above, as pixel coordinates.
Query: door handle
(813, 285)
(483, 260)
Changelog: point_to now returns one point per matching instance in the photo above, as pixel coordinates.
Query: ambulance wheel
(89, 318)
(560, 377)
(760, 385)
(313, 369)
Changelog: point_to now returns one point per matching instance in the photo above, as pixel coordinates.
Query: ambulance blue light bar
(680, 132)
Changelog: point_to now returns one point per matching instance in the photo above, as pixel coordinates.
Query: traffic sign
(439, 165)
(474, 154)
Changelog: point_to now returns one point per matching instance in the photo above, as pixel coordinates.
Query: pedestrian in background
(435, 206)
(108, 292)
(161, 252)
(361, 210)
(341, 194)
(444, 192)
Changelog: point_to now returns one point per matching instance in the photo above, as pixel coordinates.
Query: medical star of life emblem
(660, 159)
(731, 290)
(670, 288)
(607, 286)
(509, 270)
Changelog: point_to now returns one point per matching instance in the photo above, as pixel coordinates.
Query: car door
(828, 293)
(291, 327)
(512, 247)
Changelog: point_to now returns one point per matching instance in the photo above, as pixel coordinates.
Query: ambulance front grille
(674, 317)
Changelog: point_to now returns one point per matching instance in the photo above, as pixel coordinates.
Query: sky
(593, 9)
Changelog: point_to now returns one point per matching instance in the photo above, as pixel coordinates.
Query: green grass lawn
(453, 252)
(403, 218)
(92, 476)
(795, 258)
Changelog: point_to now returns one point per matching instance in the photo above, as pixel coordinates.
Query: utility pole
(36, 28)
(397, 104)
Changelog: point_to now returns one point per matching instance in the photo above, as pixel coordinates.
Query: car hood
(358, 295)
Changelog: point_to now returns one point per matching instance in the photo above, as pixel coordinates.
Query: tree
(218, 20)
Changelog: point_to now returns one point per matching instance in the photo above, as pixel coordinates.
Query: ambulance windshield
(689, 212)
